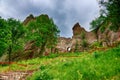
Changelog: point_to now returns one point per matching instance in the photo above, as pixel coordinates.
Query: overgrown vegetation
(96, 44)
(12, 32)
(43, 31)
(99, 65)
(96, 66)
(109, 13)
(14, 35)
(84, 41)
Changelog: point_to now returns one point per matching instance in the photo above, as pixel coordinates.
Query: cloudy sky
(65, 13)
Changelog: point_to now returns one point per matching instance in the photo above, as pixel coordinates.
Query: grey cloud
(65, 13)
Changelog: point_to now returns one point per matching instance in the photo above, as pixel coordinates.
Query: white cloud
(65, 13)
(44, 3)
(5, 10)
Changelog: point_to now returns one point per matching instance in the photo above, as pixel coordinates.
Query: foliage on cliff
(109, 10)
(43, 31)
(14, 34)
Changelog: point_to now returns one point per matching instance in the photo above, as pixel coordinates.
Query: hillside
(38, 36)
(50, 40)
(98, 65)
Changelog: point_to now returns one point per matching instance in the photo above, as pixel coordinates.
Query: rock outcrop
(30, 48)
(28, 19)
(80, 39)
(75, 43)
(108, 37)
(78, 31)
(80, 36)
(63, 44)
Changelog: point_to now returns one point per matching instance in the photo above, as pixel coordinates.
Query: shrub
(102, 29)
(41, 75)
(42, 67)
(96, 44)
(83, 35)
(84, 43)
(96, 54)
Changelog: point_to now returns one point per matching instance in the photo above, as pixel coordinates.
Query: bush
(41, 75)
(96, 54)
(84, 43)
(102, 29)
(96, 44)
(42, 67)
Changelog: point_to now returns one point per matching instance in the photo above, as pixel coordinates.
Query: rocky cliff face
(64, 44)
(108, 37)
(75, 43)
(28, 19)
(78, 31)
(91, 37)
(80, 35)
(30, 48)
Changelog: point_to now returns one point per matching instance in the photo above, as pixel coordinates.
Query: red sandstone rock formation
(77, 29)
(64, 43)
(28, 19)
(90, 37)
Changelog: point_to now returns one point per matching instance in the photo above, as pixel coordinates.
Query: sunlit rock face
(72, 44)
(78, 31)
(108, 37)
(65, 43)
(28, 19)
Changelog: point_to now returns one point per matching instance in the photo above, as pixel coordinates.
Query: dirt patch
(16, 75)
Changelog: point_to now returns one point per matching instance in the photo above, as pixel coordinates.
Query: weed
(41, 75)
(96, 54)
(102, 65)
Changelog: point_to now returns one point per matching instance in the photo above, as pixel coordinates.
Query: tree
(109, 13)
(114, 14)
(16, 31)
(10, 38)
(43, 32)
(110, 9)
(96, 24)
(4, 36)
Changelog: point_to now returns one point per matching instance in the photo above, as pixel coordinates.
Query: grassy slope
(96, 66)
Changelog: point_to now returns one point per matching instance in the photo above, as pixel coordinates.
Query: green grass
(104, 65)
(99, 65)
